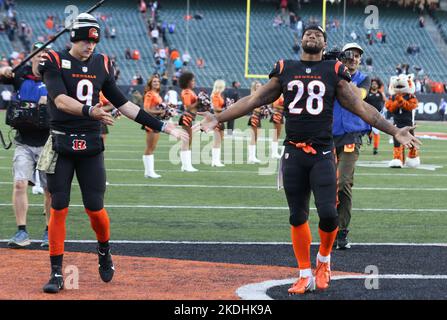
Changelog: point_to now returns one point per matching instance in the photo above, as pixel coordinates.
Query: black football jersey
(83, 80)
(309, 89)
(376, 100)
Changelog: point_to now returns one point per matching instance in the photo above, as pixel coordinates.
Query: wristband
(86, 110)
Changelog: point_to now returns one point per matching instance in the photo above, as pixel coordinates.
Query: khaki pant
(345, 171)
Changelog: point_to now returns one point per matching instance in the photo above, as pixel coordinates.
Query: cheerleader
(218, 104)
(278, 120)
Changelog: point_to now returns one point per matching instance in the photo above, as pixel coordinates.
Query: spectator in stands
(49, 23)
(175, 54)
(283, 5)
(186, 58)
(379, 36)
(383, 37)
(113, 33)
(154, 35)
(128, 54)
(369, 64)
(299, 26)
(171, 27)
(421, 22)
(178, 64)
(143, 7)
(200, 62)
(138, 78)
(277, 21)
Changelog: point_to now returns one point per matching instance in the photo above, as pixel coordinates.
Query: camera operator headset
(348, 130)
(27, 114)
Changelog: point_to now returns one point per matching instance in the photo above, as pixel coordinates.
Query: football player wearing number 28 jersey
(310, 87)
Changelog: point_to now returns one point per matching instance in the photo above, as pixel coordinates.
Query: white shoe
(186, 158)
(252, 155)
(149, 171)
(216, 158)
(395, 163)
(413, 162)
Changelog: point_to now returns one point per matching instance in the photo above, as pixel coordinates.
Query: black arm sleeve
(146, 119)
(114, 94)
(54, 83)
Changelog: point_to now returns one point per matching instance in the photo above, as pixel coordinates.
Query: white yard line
(236, 207)
(207, 186)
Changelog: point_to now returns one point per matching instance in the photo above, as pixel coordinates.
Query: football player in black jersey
(308, 164)
(74, 79)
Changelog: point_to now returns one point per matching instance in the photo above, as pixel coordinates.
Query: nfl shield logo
(308, 70)
(84, 69)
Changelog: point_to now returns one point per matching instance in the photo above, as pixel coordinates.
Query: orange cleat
(303, 285)
(323, 275)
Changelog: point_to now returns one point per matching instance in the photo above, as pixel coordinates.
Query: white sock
(305, 273)
(324, 259)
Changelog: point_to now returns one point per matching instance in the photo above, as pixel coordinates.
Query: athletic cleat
(302, 285)
(45, 243)
(322, 275)
(375, 151)
(106, 267)
(56, 282)
(342, 240)
(20, 240)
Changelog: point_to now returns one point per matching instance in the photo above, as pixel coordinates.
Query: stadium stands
(219, 38)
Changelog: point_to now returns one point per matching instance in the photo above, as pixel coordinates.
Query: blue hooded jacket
(344, 120)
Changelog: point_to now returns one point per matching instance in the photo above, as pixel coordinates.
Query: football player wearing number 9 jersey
(310, 86)
(74, 79)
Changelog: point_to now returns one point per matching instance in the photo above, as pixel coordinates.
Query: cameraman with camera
(27, 114)
(348, 130)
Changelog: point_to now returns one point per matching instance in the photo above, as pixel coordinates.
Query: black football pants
(91, 175)
(304, 173)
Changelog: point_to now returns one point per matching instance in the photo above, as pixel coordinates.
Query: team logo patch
(84, 69)
(66, 64)
(308, 70)
(79, 145)
(93, 34)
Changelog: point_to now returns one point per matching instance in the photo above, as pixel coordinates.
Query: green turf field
(236, 203)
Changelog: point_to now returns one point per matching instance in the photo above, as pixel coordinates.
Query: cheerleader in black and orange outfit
(218, 104)
(190, 102)
(255, 123)
(151, 100)
(277, 119)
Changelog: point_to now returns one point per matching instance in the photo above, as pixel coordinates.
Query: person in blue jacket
(348, 130)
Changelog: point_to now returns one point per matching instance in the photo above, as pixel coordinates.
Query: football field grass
(236, 202)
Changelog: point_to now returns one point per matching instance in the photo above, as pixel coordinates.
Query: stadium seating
(124, 16)
(219, 38)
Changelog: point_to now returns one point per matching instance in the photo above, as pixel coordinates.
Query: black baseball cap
(315, 27)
